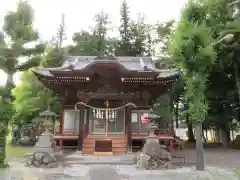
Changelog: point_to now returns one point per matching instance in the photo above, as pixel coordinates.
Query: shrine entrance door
(106, 122)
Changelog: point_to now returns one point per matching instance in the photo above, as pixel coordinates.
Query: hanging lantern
(143, 118)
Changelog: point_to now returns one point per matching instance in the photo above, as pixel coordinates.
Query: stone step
(86, 159)
(102, 153)
(80, 162)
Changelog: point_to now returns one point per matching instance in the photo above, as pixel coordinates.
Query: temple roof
(123, 64)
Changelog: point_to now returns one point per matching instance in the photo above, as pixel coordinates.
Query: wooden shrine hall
(105, 100)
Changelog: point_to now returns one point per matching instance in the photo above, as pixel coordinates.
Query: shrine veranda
(105, 101)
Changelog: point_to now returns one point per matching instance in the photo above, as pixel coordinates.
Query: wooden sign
(180, 132)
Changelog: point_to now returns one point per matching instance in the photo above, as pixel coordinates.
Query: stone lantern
(49, 119)
(153, 154)
(152, 127)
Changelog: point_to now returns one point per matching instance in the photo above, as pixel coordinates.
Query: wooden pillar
(61, 115)
(128, 125)
(81, 122)
(86, 131)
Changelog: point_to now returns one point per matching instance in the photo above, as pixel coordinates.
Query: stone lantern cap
(152, 116)
(48, 113)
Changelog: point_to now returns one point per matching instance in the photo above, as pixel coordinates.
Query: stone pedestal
(43, 155)
(44, 143)
(152, 155)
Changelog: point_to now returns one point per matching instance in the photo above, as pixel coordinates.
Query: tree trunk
(204, 138)
(232, 131)
(9, 84)
(176, 113)
(217, 134)
(213, 136)
(206, 132)
(224, 137)
(199, 148)
(191, 137)
(237, 76)
(3, 133)
(8, 87)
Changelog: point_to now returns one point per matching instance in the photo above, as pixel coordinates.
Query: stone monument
(153, 154)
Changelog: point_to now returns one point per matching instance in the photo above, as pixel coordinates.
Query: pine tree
(61, 34)
(18, 27)
(139, 31)
(125, 46)
(100, 32)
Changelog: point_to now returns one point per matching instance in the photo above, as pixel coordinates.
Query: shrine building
(105, 100)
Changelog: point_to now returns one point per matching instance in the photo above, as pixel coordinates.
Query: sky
(79, 14)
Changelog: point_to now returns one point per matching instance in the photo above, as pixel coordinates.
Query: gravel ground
(80, 172)
(222, 164)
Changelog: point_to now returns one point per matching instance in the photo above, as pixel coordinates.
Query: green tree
(84, 44)
(125, 45)
(31, 96)
(223, 105)
(6, 111)
(191, 50)
(233, 50)
(100, 31)
(164, 31)
(18, 29)
(17, 33)
(139, 31)
(96, 42)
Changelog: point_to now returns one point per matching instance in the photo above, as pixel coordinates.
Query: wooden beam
(109, 96)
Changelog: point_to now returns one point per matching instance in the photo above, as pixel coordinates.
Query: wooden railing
(158, 132)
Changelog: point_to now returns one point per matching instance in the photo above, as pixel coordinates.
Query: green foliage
(53, 57)
(6, 111)
(125, 45)
(96, 42)
(162, 108)
(164, 31)
(18, 28)
(191, 49)
(3, 133)
(224, 100)
(84, 44)
(139, 32)
(31, 98)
